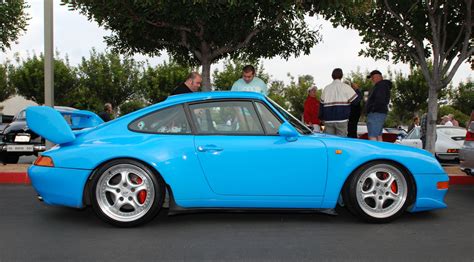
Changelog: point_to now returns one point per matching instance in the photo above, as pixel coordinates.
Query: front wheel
(379, 192)
(126, 193)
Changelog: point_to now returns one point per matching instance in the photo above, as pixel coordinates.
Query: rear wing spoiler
(57, 125)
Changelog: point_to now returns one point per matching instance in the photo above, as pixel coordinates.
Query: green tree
(108, 78)
(158, 82)
(202, 32)
(276, 92)
(223, 80)
(463, 97)
(13, 21)
(417, 32)
(296, 94)
(6, 90)
(131, 106)
(27, 77)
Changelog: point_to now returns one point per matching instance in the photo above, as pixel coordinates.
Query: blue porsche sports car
(226, 150)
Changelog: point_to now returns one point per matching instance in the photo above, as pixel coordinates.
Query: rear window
(451, 131)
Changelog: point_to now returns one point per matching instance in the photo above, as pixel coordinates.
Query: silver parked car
(449, 139)
(466, 154)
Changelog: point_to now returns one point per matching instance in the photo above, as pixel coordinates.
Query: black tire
(368, 195)
(105, 203)
(11, 159)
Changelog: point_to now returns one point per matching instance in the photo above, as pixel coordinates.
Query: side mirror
(287, 131)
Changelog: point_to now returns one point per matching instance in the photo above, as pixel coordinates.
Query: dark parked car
(16, 139)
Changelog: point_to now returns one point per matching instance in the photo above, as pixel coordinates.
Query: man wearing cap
(311, 110)
(335, 106)
(377, 105)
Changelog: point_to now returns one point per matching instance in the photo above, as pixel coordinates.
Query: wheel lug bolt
(124, 184)
(378, 184)
(130, 198)
(375, 192)
(380, 197)
(121, 198)
(118, 190)
(386, 193)
(133, 190)
(385, 185)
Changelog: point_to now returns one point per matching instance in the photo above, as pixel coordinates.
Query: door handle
(209, 148)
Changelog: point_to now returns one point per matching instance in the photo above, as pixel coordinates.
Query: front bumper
(59, 186)
(428, 196)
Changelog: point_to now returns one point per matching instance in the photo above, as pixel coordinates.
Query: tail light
(452, 150)
(469, 136)
(44, 161)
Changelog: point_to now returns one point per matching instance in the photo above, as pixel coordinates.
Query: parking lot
(34, 231)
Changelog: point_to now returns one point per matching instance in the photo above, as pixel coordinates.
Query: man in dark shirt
(377, 105)
(355, 113)
(192, 84)
(108, 112)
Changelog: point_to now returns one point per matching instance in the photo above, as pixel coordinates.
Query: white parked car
(448, 141)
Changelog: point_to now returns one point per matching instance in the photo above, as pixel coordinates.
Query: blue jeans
(375, 122)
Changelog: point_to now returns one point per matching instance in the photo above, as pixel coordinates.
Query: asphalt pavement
(33, 231)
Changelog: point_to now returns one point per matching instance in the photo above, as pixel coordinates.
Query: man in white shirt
(249, 82)
(335, 106)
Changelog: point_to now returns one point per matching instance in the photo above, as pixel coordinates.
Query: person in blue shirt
(249, 82)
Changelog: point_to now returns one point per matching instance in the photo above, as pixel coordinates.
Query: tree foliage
(13, 21)
(131, 106)
(223, 80)
(109, 78)
(202, 32)
(158, 82)
(463, 97)
(416, 32)
(27, 77)
(6, 90)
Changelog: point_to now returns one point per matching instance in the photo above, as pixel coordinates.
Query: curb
(14, 178)
(23, 179)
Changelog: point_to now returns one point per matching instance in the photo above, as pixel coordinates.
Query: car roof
(212, 95)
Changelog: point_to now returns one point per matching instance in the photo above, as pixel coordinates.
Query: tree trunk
(432, 116)
(206, 75)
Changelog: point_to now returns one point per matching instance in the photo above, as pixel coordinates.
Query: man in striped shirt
(335, 105)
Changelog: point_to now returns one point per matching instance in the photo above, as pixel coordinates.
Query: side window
(167, 121)
(226, 117)
(270, 121)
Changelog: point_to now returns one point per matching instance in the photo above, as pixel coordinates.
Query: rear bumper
(428, 196)
(35, 148)
(59, 186)
(448, 156)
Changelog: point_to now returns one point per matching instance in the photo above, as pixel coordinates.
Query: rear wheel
(379, 192)
(127, 193)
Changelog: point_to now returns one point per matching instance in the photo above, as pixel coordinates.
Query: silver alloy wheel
(381, 191)
(125, 192)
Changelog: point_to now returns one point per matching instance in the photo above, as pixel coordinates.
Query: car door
(413, 138)
(241, 153)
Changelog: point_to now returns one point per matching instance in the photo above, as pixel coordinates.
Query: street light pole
(48, 54)
(48, 58)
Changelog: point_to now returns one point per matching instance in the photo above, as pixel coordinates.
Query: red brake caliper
(393, 187)
(142, 193)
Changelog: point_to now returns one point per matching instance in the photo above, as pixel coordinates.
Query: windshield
(21, 115)
(300, 127)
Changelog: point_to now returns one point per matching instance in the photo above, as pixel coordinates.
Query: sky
(75, 37)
